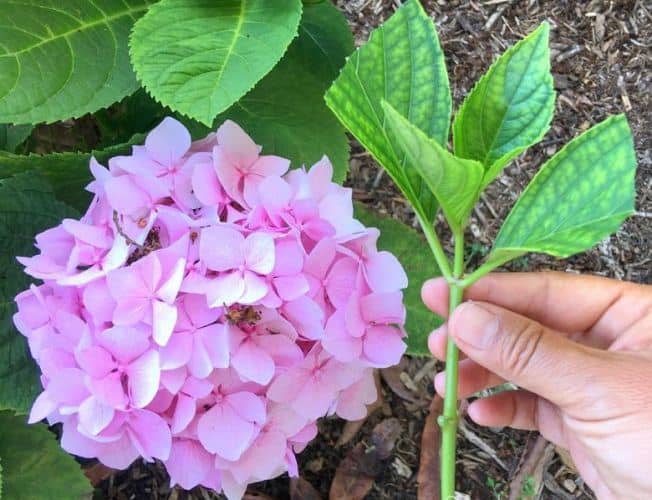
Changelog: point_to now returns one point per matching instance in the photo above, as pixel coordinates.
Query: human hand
(580, 350)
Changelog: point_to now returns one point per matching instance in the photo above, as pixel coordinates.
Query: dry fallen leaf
(300, 489)
(355, 475)
(428, 476)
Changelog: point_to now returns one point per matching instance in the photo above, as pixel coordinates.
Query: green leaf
(12, 136)
(63, 59)
(67, 173)
(324, 42)
(454, 182)
(286, 113)
(510, 107)
(201, 56)
(414, 254)
(27, 207)
(35, 468)
(580, 196)
(403, 64)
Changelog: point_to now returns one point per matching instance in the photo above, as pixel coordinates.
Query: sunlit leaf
(510, 107)
(580, 196)
(403, 64)
(201, 56)
(62, 59)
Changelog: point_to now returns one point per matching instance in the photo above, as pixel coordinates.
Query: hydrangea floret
(207, 309)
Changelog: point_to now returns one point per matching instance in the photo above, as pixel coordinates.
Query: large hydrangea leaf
(581, 195)
(201, 56)
(413, 253)
(510, 107)
(403, 64)
(33, 465)
(27, 207)
(285, 112)
(62, 59)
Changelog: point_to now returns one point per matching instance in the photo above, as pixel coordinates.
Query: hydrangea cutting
(207, 309)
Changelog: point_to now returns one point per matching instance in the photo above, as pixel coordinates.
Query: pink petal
(96, 361)
(287, 385)
(109, 390)
(189, 464)
(352, 401)
(164, 317)
(274, 194)
(306, 316)
(289, 257)
(126, 282)
(383, 307)
(144, 377)
(253, 363)
(94, 416)
(173, 380)
(149, 434)
(385, 273)
(339, 342)
(176, 352)
(221, 248)
(216, 342)
(198, 311)
(98, 301)
(259, 253)
(205, 184)
(125, 343)
(269, 165)
(255, 288)
(238, 145)
(168, 290)
(320, 176)
(184, 412)
(291, 287)
(221, 430)
(168, 142)
(283, 351)
(44, 405)
(261, 461)
(118, 454)
(321, 258)
(383, 346)
(225, 290)
(200, 364)
(124, 195)
(341, 281)
(131, 311)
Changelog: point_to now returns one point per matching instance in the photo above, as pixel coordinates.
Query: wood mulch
(601, 64)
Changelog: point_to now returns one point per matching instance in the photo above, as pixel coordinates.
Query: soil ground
(601, 64)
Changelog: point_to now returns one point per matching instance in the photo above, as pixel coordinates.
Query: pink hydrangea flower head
(207, 309)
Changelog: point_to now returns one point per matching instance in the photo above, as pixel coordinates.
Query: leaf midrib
(81, 27)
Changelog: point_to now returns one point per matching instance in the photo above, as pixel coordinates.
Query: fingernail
(474, 325)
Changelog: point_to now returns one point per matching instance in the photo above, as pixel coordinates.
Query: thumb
(525, 352)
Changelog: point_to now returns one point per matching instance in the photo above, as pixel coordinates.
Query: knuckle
(520, 346)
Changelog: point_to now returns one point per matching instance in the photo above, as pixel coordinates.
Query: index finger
(562, 301)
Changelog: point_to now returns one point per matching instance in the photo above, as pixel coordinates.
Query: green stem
(435, 246)
(448, 421)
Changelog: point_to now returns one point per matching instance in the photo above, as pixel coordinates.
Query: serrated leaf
(580, 196)
(67, 173)
(27, 207)
(35, 467)
(201, 56)
(414, 254)
(510, 107)
(403, 64)
(286, 113)
(62, 59)
(453, 181)
(12, 136)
